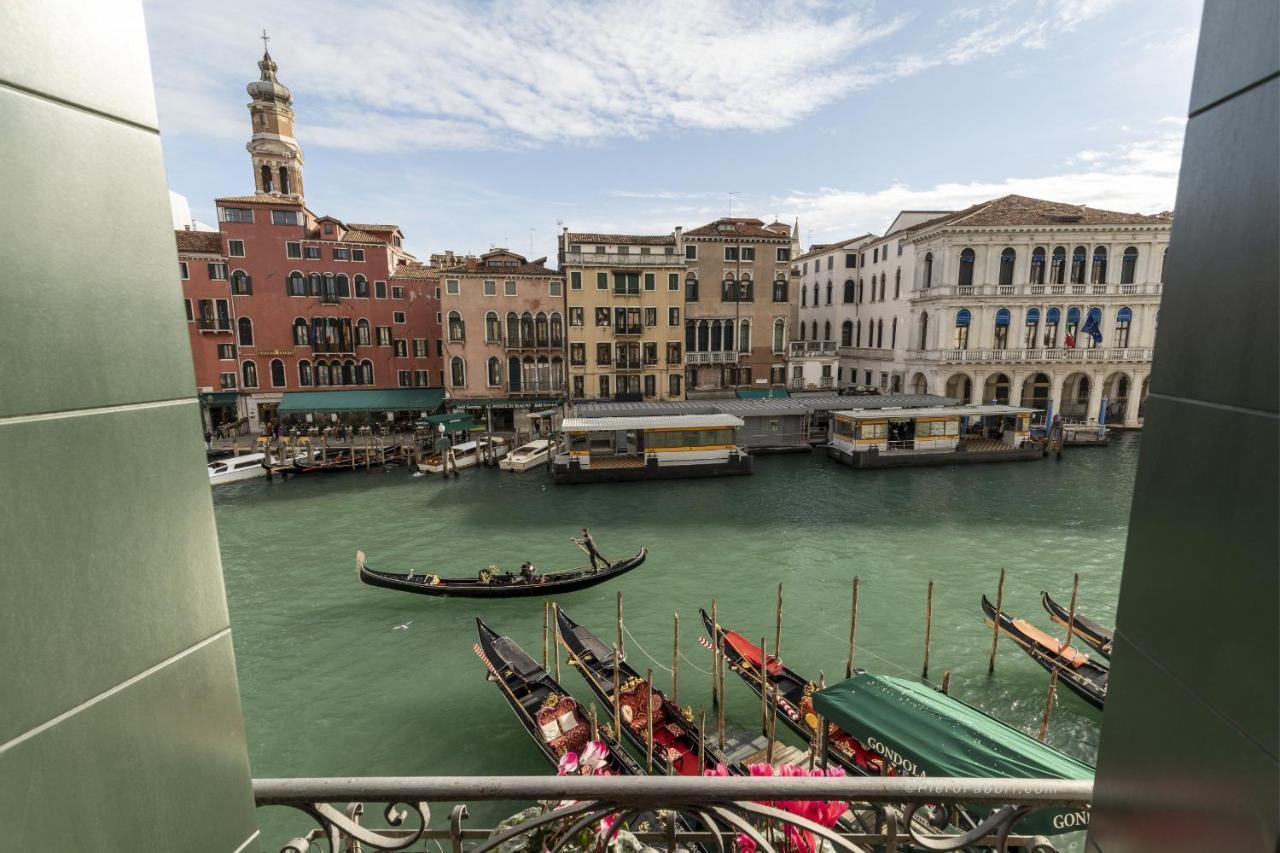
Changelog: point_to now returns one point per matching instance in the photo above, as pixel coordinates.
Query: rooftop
(935, 411)
(623, 239)
(652, 422)
(208, 242)
(742, 227)
(1023, 210)
(261, 198)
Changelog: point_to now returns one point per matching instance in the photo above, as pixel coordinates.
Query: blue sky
(480, 124)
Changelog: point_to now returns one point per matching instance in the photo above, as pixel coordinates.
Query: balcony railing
(628, 329)
(884, 813)
(1145, 289)
(330, 298)
(716, 357)
(333, 347)
(627, 364)
(214, 324)
(529, 343)
(872, 353)
(820, 382)
(813, 348)
(1079, 355)
(615, 259)
(535, 387)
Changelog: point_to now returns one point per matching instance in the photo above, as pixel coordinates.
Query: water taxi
(466, 455)
(1084, 435)
(237, 468)
(934, 435)
(649, 448)
(535, 453)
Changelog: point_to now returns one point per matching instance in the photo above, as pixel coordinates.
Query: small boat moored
(468, 454)
(233, 469)
(526, 456)
(1086, 629)
(1086, 677)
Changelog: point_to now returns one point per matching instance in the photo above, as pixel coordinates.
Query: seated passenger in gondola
(529, 573)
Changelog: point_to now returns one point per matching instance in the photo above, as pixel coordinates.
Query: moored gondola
(795, 705)
(1075, 669)
(1086, 629)
(552, 718)
(490, 584)
(676, 739)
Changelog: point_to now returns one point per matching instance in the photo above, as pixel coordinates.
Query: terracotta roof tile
(740, 227)
(417, 271)
(262, 198)
(624, 239)
(205, 242)
(1015, 210)
(363, 227)
(359, 236)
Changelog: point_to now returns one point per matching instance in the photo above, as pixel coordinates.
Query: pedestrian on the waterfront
(208, 440)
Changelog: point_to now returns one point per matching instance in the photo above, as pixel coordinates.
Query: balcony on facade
(940, 290)
(213, 324)
(628, 329)
(714, 357)
(868, 353)
(531, 344)
(822, 382)
(334, 347)
(536, 387)
(616, 259)
(1084, 355)
(810, 348)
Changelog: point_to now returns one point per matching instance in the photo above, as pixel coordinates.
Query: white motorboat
(531, 455)
(237, 468)
(466, 455)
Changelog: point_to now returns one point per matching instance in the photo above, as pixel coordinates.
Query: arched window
(330, 292)
(928, 269)
(800, 331)
(816, 294)
(284, 181)
(826, 330)
(1079, 263)
(779, 335)
(1037, 265)
(967, 258)
(846, 333)
(813, 330)
(924, 330)
(690, 336)
(249, 374)
(557, 373)
(1124, 319)
(880, 333)
(348, 373)
(850, 291)
(267, 185)
(304, 373)
(857, 334)
(457, 372)
(1051, 319)
(1007, 258)
(1001, 340)
(1099, 273)
(1058, 268)
(963, 319)
(1129, 265)
(315, 284)
(883, 281)
(1094, 321)
(1033, 329)
(513, 329)
(362, 287)
(322, 373)
(780, 290)
(297, 284)
(557, 330)
(541, 334)
(828, 293)
(492, 328)
(728, 335)
(362, 332)
(804, 297)
(342, 285)
(246, 332)
(744, 336)
(366, 372)
(704, 337)
(457, 328)
(493, 371)
(1163, 257)
(897, 282)
(1073, 327)
(893, 335)
(277, 373)
(300, 332)
(526, 329)
(691, 288)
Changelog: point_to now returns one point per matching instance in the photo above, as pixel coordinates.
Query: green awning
(370, 400)
(219, 398)
(763, 393)
(453, 421)
(920, 731)
(504, 402)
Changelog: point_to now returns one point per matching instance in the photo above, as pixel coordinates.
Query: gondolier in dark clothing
(586, 543)
(528, 572)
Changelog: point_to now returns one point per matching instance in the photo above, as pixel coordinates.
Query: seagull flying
(403, 627)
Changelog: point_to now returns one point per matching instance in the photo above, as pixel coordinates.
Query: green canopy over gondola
(921, 731)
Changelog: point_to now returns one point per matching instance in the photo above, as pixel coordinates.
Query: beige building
(503, 323)
(625, 305)
(740, 304)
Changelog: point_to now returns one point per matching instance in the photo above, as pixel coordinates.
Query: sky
(473, 125)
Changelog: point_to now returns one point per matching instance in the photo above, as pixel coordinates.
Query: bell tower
(276, 155)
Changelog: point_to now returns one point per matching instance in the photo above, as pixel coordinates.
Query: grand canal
(332, 687)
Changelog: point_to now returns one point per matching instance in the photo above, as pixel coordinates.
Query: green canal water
(331, 687)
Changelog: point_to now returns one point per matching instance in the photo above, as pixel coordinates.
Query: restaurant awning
(504, 402)
(453, 421)
(763, 393)
(921, 731)
(219, 398)
(368, 400)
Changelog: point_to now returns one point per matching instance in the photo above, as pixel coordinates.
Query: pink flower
(746, 844)
(760, 769)
(568, 764)
(594, 756)
(719, 770)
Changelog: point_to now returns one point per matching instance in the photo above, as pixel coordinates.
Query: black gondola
(506, 585)
(338, 459)
(795, 708)
(1086, 677)
(552, 718)
(675, 736)
(1086, 629)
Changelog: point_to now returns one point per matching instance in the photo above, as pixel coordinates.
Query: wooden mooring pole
(546, 630)
(617, 696)
(995, 623)
(1053, 673)
(946, 681)
(675, 659)
(555, 635)
(622, 647)
(715, 656)
(702, 737)
(928, 628)
(764, 690)
(648, 704)
(777, 631)
(853, 629)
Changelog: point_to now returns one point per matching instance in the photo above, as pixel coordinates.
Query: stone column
(1095, 396)
(1056, 379)
(1135, 392)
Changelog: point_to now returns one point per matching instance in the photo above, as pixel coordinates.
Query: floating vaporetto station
(649, 448)
(935, 435)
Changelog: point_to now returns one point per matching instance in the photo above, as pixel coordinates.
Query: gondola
(340, 460)
(675, 736)
(551, 717)
(505, 585)
(795, 708)
(1086, 629)
(1076, 670)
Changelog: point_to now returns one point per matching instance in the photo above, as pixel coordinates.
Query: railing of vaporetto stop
(722, 813)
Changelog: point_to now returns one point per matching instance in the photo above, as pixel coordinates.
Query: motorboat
(535, 453)
(237, 468)
(466, 455)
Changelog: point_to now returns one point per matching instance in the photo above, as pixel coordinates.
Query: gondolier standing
(586, 543)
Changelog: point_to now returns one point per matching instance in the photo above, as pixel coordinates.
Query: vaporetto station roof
(933, 412)
(798, 404)
(710, 421)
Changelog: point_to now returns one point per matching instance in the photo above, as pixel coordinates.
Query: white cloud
(404, 75)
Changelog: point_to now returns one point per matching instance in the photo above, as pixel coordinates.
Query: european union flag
(1090, 328)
